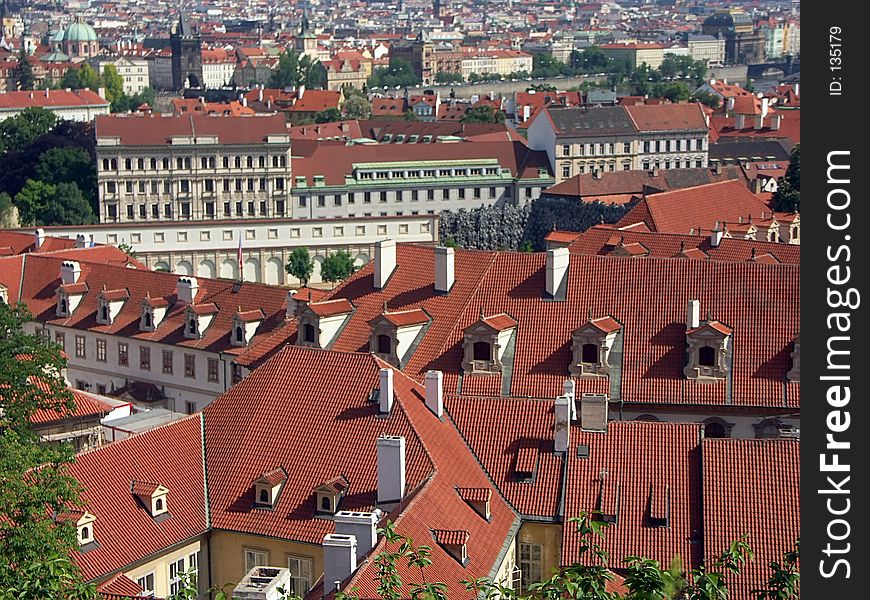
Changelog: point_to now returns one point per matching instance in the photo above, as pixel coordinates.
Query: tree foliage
(357, 107)
(295, 70)
(22, 74)
(36, 540)
(114, 85)
(788, 197)
(300, 264)
(22, 129)
(483, 114)
(399, 73)
(327, 115)
(41, 203)
(337, 267)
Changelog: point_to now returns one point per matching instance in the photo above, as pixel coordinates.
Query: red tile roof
(124, 530)
(499, 322)
(50, 99)
(637, 460)
(328, 308)
(622, 185)
(789, 127)
(86, 405)
(450, 537)
(680, 211)
(157, 130)
(273, 477)
(667, 117)
(751, 487)
(404, 318)
(119, 586)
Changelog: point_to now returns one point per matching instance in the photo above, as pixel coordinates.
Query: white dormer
(109, 304)
(153, 311)
(590, 347)
(328, 496)
(708, 346)
(154, 497)
(268, 486)
(320, 322)
(245, 325)
(393, 334)
(85, 527)
(69, 296)
(197, 318)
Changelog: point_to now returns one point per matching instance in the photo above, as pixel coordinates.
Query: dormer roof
(147, 489)
(717, 326)
(451, 537)
(498, 322)
(80, 287)
(272, 478)
(336, 485)
(114, 295)
(604, 324)
(208, 308)
(331, 308)
(250, 316)
(404, 318)
(157, 302)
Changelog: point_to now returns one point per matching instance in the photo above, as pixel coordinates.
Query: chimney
(386, 390)
(797, 89)
(693, 314)
(655, 172)
(339, 560)
(385, 262)
(445, 271)
(70, 271)
(557, 270)
(101, 92)
(435, 392)
(361, 525)
(717, 168)
(775, 121)
(593, 412)
(569, 390)
(244, 101)
(260, 94)
(46, 92)
(716, 236)
(739, 121)
(759, 121)
(391, 469)
(39, 234)
(300, 93)
(562, 428)
(765, 107)
(186, 289)
(730, 105)
(291, 304)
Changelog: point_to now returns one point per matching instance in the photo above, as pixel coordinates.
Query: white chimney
(435, 392)
(70, 271)
(797, 89)
(557, 270)
(391, 469)
(765, 106)
(385, 262)
(569, 390)
(39, 234)
(445, 271)
(186, 289)
(291, 305)
(386, 390)
(759, 121)
(739, 121)
(716, 236)
(562, 429)
(775, 121)
(731, 102)
(361, 525)
(693, 314)
(339, 559)
(300, 93)
(593, 412)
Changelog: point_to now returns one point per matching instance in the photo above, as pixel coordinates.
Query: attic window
(708, 351)
(485, 343)
(153, 496)
(608, 499)
(526, 465)
(591, 344)
(482, 351)
(62, 305)
(328, 495)
(192, 329)
(85, 529)
(385, 344)
(714, 427)
(590, 353)
(240, 334)
(454, 542)
(478, 499)
(104, 313)
(268, 486)
(308, 335)
(659, 506)
(706, 356)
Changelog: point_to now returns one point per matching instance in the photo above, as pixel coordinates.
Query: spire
(306, 25)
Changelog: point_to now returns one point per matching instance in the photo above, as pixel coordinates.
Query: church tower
(306, 42)
(186, 46)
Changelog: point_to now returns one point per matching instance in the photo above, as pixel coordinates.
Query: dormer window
(197, 319)
(153, 311)
(245, 324)
(62, 305)
(148, 319)
(478, 499)
(591, 344)
(85, 535)
(328, 495)
(454, 542)
(267, 488)
(153, 497)
(109, 304)
(309, 335)
(193, 326)
(708, 351)
(394, 334)
(485, 343)
(794, 374)
(320, 322)
(385, 344)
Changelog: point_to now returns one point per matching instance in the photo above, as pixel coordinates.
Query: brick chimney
(445, 271)
(562, 428)
(186, 289)
(435, 392)
(391, 469)
(70, 271)
(386, 395)
(385, 262)
(361, 525)
(557, 271)
(339, 559)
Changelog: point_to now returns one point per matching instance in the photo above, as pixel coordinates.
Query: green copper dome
(80, 32)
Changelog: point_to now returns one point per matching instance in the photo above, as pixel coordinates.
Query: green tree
(707, 99)
(8, 212)
(36, 539)
(483, 114)
(300, 265)
(327, 115)
(444, 77)
(69, 164)
(357, 107)
(337, 267)
(410, 115)
(788, 197)
(675, 91)
(70, 79)
(22, 74)
(67, 207)
(783, 581)
(399, 73)
(294, 69)
(127, 249)
(33, 199)
(89, 79)
(114, 84)
(22, 129)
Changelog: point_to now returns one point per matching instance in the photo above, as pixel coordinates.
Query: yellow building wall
(228, 555)
(549, 537)
(160, 567)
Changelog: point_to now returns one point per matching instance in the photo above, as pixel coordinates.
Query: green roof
(80, 32)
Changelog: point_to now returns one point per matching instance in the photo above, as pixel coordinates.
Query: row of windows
(239, 208)
(401, 195)
(205, 162)
(144, 356)
(601, 149)
(626, 166)
(429, 173)
(209, 186)
(673, 145)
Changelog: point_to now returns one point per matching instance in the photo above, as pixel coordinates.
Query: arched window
(385, 344)
(86, 533)
(715, 429)
(767, 429)
(590, 353)
(707, 356)
(192, 326)
(647, 417)
(264, 496)
(63, 305)
(325, 503)
(148, 320)
(308, 333)
(482, 351)
(158, 504)
(240, 334)
(104, 312)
